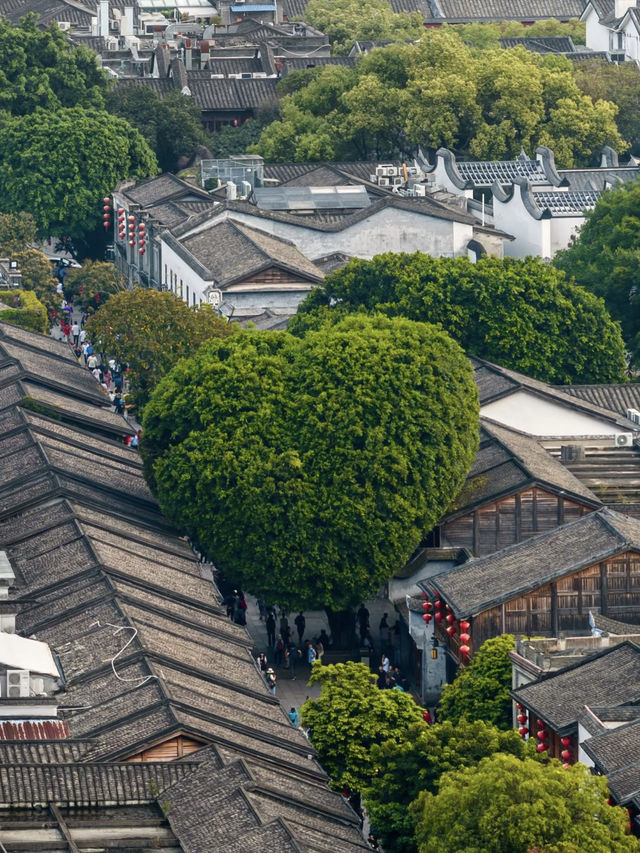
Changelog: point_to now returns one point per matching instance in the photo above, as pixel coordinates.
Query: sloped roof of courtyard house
(485, 582)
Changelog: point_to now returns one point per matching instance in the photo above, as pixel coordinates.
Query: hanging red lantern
(107, 200)
(131, 218)
(542, 735)
(566, 754)
(438, 617)
(106, 208)
(464, 651)
(447, 608)
(524, 731)
(121, 210)
(565, 741)
(437, 604)
(141, 251)
(464, 626)
(519, 705)
(426, 617)
(450, 618)
(541, 747)
(425, 595)
(142, 227)
(540, 724)
(106, 216)
(132, 242)
(451, 630)
(464, 638)
(107, 225)
(521, 718)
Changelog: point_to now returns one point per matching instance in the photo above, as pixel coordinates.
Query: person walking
(300, 626)
(363, 621)
(75, 331)
(262, 661)
(271, 629)
(385, 663)
(271, 680)
(294, 717)
(311, 654)
(279, 651)
(292, 657)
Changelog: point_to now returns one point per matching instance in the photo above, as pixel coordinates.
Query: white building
(613, 26)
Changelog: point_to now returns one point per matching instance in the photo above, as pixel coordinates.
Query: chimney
(126, 23)
(103, 18)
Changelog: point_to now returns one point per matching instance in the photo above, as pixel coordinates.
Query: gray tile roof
(484, 582)
(503, 171)
(229, 251)
(507, 461)
(567, 203)
(508, 10)
(611, 677)
(162, 189)
(617, 398)
(544, 44)
(615, 749)
(292, 197)
(494, 382)
(597, 180)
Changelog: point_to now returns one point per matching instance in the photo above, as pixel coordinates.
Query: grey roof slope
(163, 189)
(610, 677)
(543, 44)
(484, 582)
(228, 250)
(617, 397)
(597, 180)
(507, 461)
(495, 382)
(147, 651)
(614, 749)
(507, 10)
(226, 94)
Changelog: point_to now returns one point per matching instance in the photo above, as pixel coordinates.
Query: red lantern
(451, 630)
(450, 618)
(107, 225)
(565, 741)
(131, 218)
(566, 754)
(437, 604)
(106, 200)
(522, 718)
(427, 605)
(541, 747)
(464, 650)
(106, 208)
(540, 724)
(447, 608)
(132, 242)
(141, 251)
(464, 638)
(438, 617)
(427, 618)
(425, 595)
(142, 226)
(524, 731)
(464, 626)
(519, 705)
(141, 241)
(542, 735)
(121, 210)
(106, 216)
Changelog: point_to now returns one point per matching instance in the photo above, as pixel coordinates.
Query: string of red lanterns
(106, 218)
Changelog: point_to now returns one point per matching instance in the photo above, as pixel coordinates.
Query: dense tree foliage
(88, 287)
(415, 761)
(522, 314)
(309, 469)
(488, 35)
(150, 331)
(505, 804)
(350, 716)
(59, 165)
(17, 232)
(605, 258)
(171, 126)
(438, 91)
(344, 21)
(619, 84)
(23, 308)
(37, 275)
(480, 691)
(41, 69)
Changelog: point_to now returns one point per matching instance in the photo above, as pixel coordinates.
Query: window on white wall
(187, 294)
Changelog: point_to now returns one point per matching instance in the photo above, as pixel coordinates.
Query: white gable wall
(388, 230)
(538, 416)
(597, 36)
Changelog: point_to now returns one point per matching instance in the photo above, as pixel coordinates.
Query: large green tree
(17, 232)
(171, 125)
(309, 469)
(605, 258)
(438, 91)
(37, 275)
(619, 84)
(350, 717)
(58, 165)
(41, 69)
(150, 331)
(523, 314)
(415, 761)
(344, 21)
(480, 691)
(505, 805)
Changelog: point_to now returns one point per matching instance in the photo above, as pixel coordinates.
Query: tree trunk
(342, 625)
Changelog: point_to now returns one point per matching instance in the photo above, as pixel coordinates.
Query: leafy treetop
(23, 308)
(605, 258)
(41, 69)
(505, 804)
(522, 314)
(480, 691)
(150, 331)
(345, 21)
(415, 761)
(607, 81)
(59, 165)
(439, 91)
(37, 275)
(309, 469)
(17, 232)
(350, 716)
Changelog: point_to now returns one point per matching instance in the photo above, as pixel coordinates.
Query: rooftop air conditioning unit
(633, 415)
(387, 170)
(18, 683)
(397, 181)
(64, 26)
(384, 182)
(246, 76)
(420, 190)
(624, 439)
